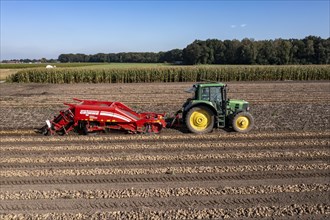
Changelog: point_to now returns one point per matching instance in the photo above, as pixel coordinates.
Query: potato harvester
(92, 115)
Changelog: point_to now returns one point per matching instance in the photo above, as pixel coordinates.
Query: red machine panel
(92, 115)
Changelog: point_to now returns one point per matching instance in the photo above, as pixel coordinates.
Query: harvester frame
(92, 116)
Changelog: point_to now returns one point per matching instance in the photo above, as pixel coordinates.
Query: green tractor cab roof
(208, 84)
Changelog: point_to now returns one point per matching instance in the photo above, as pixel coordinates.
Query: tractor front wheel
(200, 120)
(243, 122)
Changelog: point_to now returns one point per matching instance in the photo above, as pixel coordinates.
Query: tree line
(310, 50)
(171, 56)
(35, 61)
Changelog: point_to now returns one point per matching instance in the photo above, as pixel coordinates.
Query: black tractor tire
(243, 122)
(200, 120)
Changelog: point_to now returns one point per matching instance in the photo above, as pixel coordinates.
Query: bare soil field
(280, 170)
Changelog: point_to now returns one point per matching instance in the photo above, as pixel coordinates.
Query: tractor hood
(237, 101)
(236, 105)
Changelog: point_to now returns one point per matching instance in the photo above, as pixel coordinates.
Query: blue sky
(37, 29)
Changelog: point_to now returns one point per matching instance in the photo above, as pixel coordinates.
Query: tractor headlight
(246, 107)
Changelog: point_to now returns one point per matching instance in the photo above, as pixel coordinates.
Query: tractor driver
(206, 94)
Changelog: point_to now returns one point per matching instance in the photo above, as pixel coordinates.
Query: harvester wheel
(46, 132)
(200, 120)
(243, 122)
(82, 128)
(61, 132)
(156, 128)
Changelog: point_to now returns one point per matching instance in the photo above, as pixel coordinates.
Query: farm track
(280, 170)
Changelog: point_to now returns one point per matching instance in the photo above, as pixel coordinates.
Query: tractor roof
(209, 84)
(206, 84)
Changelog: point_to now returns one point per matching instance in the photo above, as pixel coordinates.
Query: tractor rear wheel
(243, 122)
(200, 120)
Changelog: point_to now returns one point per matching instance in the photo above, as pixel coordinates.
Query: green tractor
(209, 108)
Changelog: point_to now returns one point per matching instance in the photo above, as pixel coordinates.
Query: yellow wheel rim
(200, 120)
(242, 122)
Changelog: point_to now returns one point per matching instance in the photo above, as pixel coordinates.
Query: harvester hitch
(176, 121)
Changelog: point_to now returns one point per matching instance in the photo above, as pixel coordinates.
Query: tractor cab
(214, 93)
(209, 108)
(208, 92)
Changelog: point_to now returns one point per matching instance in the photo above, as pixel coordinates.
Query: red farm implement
(92, 116)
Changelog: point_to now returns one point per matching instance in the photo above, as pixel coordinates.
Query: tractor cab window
(212, 94)
(206, 93)
(215, 94)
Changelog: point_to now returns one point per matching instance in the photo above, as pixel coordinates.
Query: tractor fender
(232, 115)
(192, 105)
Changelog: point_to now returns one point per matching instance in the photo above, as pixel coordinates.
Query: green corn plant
(224, 73)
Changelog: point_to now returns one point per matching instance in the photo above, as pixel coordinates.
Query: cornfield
(172, 74)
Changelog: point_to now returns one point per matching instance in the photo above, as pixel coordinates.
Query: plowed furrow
(150, 178)
(180, 202)
(166, 137)
(285, 212)
(223, 146)
(281, 100)
(173, 163)
(303, 211)
(162, 170)
(161, 157)
(161, 192)
(252, 98)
